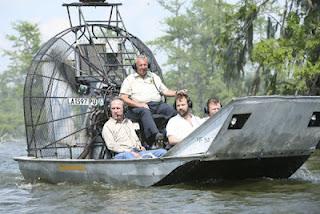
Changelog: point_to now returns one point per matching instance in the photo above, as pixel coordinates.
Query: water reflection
(299, 194)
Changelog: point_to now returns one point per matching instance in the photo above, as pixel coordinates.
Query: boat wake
(306, 175)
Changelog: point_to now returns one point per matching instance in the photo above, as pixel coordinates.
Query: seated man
(142, 92)
(120, 136)
(213, 106)
(184, 122)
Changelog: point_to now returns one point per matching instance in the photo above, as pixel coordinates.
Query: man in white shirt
(184, 122)
(142, 92)
(120, 136)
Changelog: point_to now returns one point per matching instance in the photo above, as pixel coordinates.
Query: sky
(142, 18)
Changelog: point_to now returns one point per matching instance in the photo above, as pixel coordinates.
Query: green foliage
(25, 44)
(293, 58)
(270, 53)
(249, 48)
(190, 43)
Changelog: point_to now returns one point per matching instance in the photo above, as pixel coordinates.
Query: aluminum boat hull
(251, 137)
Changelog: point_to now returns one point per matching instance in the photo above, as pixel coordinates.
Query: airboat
(76, 73)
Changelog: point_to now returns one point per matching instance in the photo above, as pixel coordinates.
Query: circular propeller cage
(70, 83)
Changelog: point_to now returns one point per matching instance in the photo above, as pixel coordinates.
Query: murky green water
(299, 194)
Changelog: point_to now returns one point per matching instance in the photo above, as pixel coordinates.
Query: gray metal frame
(88, 60)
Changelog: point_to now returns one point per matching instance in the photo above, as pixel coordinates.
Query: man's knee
(168, 110)
(145, 112)
(137, 114)
(124, 155)
(141, 111)
(159, 152)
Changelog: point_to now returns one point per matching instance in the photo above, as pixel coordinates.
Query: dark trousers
(144, 116)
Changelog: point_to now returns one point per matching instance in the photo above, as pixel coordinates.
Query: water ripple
(299, 194)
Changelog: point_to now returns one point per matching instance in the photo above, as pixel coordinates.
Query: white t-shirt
(180, 127)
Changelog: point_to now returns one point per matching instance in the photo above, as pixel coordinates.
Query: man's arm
(163, 88)
(173, 140)
(170, 93)
(173, 93)
(172, 129)
(132, 103)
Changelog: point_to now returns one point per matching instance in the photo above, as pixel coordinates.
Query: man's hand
(172, 140)
(136, 154)
(143, 105)
(182, 92)
(142, 148)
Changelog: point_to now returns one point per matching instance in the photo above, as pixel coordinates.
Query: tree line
(25, 43)
(213, 48)
(248, 48)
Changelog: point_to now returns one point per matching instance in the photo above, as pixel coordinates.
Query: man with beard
(184, 122)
